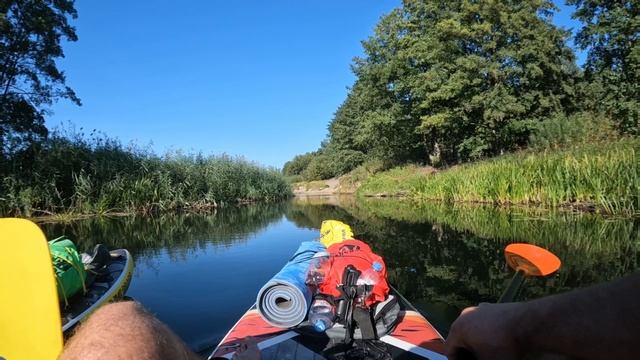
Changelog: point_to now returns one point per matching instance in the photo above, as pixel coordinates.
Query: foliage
(31, 33)
(297, 165)
(397, 181)
(579, 128)
(602, 176)
(611, 36)
(448, 82)
(320, 167)
(323, 164)
(350, 182)
(490, 71)
(70, 172)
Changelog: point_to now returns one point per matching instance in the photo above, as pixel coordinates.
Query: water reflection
(444, 258)
(199, 273)
(177, 233)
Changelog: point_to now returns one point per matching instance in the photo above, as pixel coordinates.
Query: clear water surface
(200, 272)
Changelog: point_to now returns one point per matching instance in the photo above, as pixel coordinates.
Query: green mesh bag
(68, 267)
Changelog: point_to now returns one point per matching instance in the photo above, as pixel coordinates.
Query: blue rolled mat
(285, 299)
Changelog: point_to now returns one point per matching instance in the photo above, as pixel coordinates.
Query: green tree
(611, 34)
(490, 70)
(298, 164)
(445, 82)
(30, 35)
(375, 119)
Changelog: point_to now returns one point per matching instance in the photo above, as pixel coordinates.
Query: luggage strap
(352, 314)
(362, 317)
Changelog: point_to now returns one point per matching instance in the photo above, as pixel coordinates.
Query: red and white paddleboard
(412, 338)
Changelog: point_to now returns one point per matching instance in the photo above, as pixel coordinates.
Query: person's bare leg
(125, 330)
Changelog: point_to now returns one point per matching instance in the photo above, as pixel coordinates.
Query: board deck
(106, 288)
(412, 338)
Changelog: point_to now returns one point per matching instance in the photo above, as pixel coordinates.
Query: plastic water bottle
(321, 315)
(317, 268)
(371, 276)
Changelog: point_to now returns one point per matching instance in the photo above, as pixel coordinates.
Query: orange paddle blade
(533, 260)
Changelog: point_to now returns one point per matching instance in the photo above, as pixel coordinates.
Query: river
(199, 273)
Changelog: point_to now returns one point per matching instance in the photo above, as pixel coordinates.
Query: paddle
(528, 261)
(30, 325)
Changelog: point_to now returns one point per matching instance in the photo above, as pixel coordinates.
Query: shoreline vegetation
(485, 103)
(68, 176)
(602, 177)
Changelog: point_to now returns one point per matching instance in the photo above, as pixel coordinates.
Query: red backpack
(359, 255)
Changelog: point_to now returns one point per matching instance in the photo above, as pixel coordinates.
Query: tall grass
(602, 177)
(96, 174)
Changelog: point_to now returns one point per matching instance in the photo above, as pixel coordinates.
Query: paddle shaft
(512, 291)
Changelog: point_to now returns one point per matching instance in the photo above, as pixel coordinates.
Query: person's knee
(119, 310)
(125, 330)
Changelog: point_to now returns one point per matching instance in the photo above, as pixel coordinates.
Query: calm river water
(200, 273)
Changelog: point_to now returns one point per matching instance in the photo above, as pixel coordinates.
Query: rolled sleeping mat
(285, 299)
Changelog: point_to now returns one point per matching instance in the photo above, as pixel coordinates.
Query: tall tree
(31, 32)
(375, 119)
(611, 34)
(491, 70)
(460, 79)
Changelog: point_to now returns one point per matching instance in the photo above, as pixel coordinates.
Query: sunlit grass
(602, 177)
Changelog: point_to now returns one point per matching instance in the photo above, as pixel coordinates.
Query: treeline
(448, 82)
(71, 172)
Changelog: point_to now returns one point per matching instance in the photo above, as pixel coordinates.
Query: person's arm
(600, 322)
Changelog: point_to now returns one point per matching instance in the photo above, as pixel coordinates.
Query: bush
(346, 160)
(321, 167)
(562, 131)
(298, 164)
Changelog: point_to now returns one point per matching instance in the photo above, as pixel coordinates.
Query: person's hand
(248, 350)
(489, 331)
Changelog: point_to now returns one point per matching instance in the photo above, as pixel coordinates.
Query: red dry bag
(359, 255)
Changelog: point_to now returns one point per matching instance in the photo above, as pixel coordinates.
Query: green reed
(76, 175)
(603, 177)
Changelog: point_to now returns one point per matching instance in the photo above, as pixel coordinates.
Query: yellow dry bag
(334, 231)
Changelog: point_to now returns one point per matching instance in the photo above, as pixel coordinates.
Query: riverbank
(601, 177)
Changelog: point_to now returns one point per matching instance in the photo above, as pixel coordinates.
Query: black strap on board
(363, 318)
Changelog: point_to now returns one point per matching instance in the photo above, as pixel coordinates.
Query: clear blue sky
(259, 79)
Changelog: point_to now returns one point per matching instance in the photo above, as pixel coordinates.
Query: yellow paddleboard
(30, 326)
